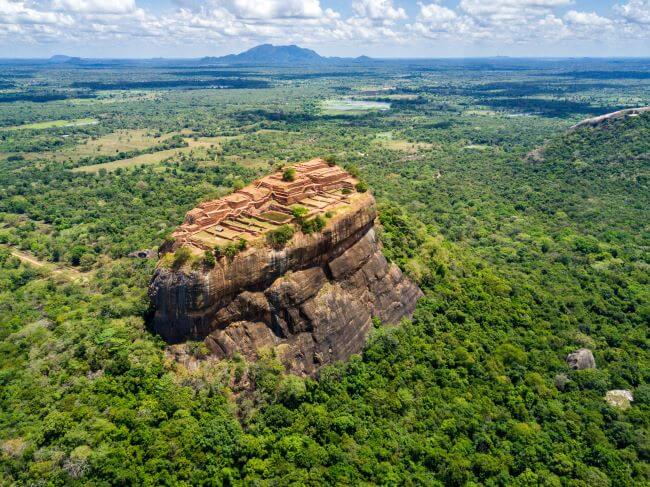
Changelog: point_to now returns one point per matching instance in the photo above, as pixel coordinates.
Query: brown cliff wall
(313, 301)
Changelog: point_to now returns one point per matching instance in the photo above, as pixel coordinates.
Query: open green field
(144, 159)
(351, 106)
(198, 147)
(52, 124)
(387, 140)
(110, 144)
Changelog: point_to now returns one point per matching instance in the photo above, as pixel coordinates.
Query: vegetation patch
(52, 124)
(280, 236)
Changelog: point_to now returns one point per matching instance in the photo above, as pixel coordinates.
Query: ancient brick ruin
(264, 205)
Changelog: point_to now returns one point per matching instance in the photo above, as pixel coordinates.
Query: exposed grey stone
(581, 359)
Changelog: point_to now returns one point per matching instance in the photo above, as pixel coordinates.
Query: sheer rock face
(313, 301)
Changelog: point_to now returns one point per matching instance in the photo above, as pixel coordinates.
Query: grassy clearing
(247, 162)
(480, 147)
(146, 159)
(52, 124)
(128, 140)
(113, 97)
(351, 107)
(386, 140)
(120, 141)
(199, 146)
(480, 111)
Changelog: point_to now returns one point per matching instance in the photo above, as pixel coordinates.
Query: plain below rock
(581, 359)
(619, 398)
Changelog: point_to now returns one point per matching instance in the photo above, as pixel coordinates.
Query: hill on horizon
(269, 54)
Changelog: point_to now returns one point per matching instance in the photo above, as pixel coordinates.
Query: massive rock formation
(312, 301)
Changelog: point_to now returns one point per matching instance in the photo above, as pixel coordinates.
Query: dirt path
(67, 273)
(26, 258)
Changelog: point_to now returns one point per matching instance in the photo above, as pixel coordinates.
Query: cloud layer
(312, 22)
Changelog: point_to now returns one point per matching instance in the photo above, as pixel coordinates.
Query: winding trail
(68, 273)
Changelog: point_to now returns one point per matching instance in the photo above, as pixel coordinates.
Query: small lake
(346, 105)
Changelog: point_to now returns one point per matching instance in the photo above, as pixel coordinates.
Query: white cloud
(378, 10)
(436, 14)
(95, 6)
(435, 21)
(269, 9)
(509, 10)
(19, 13)
(589, 19)
(478, 7)
(635, 11)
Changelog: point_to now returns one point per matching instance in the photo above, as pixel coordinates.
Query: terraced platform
(265, 205)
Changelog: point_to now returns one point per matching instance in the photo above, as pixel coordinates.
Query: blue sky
(380, 28)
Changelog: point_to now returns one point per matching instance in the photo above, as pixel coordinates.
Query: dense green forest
(529, 241)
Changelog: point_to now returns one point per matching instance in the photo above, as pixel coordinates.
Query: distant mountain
(267, 54)
(63, 59)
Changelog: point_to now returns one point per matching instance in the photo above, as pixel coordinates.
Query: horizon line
(495, 56)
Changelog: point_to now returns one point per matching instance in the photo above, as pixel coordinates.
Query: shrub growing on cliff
(230, 250)
(280, 236)
(237, 184)
(289, 174)
(353, 170)
(319, 223)
(361, 187)
(208, 259)
(331, 160)
(316, 224)
(181, 257)
(218, 251)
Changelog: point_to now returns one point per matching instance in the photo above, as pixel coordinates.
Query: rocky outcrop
(619, 398)
(312, 301)
(596, 121)
(581, 359)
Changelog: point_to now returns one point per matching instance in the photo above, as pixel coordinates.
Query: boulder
(581, 359)
(619, 398)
